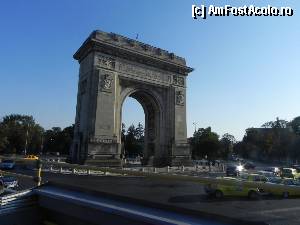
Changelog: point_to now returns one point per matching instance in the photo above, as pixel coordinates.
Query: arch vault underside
(112, 68)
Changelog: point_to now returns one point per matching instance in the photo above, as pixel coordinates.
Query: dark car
(7, 164)
(249, 166)
(232, 171)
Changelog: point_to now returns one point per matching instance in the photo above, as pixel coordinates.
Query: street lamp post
(195, 125)
(42, 144)
(26, 142)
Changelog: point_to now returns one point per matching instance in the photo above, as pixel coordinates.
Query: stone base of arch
(104, 162)
(181, 154)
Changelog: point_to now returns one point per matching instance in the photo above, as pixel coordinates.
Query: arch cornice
(119, 46)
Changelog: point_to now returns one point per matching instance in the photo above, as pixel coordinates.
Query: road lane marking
(281, 210)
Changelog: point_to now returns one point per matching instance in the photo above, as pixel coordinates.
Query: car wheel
(218, 194)
(253, 195)
(285, 194)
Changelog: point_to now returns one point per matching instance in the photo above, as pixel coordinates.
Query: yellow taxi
(31, 157)
(287, 187)
(289, 173)
(254, 177)
(232, 187)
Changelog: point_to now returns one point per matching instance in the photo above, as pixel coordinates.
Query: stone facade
(113, 67)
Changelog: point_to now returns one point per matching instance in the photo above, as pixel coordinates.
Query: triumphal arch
(113, 67)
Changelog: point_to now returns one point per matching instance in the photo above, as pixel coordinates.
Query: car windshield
(287, 171)
(8, 178)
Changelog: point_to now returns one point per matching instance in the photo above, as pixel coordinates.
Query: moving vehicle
(287, 187)
(297, 167)
(275, 180)
(9, 181)
(7, 164)
(237, 189)
(289, 173)
(290, 181)
(249, 166)
(31, 157)
(234, 170)
(254, 177)
(267, 174)
(274, 170)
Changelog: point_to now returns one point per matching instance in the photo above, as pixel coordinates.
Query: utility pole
(195, 125)
(42, 144)
(26, 142)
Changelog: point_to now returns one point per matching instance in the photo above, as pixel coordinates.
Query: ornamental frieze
(106, 62)
(178, 80)
(144, 72)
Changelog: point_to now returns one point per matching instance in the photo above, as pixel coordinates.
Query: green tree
(21, 132)
(58, 140)
(205, 143)
(3, 138)
(133, 140)
(295, 124)
(139, 132)
(227, 142)
(278, 123)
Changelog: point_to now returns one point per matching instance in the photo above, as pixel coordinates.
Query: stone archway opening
(132, 128)
(152, 113)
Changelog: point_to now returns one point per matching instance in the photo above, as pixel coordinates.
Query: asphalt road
(273, 211)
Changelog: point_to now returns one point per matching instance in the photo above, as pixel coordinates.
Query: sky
(247, 69)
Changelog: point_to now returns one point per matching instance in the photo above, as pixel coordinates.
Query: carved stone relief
(106, 62)
(179, 98)
(178, 80)
(144, 72)
(106, 82)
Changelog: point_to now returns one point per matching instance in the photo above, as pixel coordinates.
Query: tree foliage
(278, 123)
(133, 140)
(295, 124)
(20, 132)
(58, 140)
(276, 140)
(205, 144)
